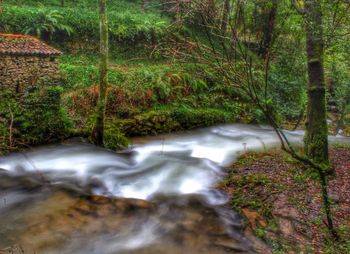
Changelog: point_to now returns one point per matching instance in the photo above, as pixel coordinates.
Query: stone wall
(18, 72)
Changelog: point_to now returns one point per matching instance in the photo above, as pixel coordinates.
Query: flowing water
(158, 196)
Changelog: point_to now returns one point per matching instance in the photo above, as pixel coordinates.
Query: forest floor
(281, 202)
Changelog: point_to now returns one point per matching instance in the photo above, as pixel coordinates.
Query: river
(158, 196)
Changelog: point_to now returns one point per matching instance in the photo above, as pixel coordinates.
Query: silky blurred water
(182, 167)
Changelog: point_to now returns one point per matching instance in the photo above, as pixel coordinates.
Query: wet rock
(49, 223)
(231, 245)
(15, 249)
(257, 244)
(254, 218)
(62, 221)
(18, 182)
(286, 227)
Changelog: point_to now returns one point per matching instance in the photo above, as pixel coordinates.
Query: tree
(249, 73)
(316, 136)
(225, 15)
(144, 4)
(103, 75)
(268, 29)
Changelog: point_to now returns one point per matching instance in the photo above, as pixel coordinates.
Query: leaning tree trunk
(316, 143)
(103, 79)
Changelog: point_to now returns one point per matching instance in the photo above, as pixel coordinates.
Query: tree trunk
(144, 3)
(62, 3)
(225, 16)
(316, 143)
(268, 30)
(177, 10)
(103, 79)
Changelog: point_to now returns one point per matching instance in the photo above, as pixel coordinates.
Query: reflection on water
(175, 175)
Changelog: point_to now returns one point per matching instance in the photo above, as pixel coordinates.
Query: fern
(48, 23)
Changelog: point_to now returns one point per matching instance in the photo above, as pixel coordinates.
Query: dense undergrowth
(153, 98)
(78, 21)
(150, 92)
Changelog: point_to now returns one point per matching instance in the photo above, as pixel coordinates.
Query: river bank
(281, 203)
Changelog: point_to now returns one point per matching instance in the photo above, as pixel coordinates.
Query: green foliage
(79, 76)
(145, 87)
(47, 24)
(340, 78)
(258, 116)
(260, 232)
(35, 118)
(139, 88)
(288, 80)
(127, 22)
(114, 139)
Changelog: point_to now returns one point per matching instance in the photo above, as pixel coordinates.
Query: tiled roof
(18, 44)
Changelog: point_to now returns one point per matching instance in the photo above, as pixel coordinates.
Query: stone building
(24, 61)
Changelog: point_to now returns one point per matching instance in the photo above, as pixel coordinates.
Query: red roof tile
(18, 44)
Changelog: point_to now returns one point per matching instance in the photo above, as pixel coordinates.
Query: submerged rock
(61, 221)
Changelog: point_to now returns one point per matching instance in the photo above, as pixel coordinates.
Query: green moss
(114, 139)
(316, 145)
(170, 119)
(190, 118)
(150, 123)
(35, 117)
